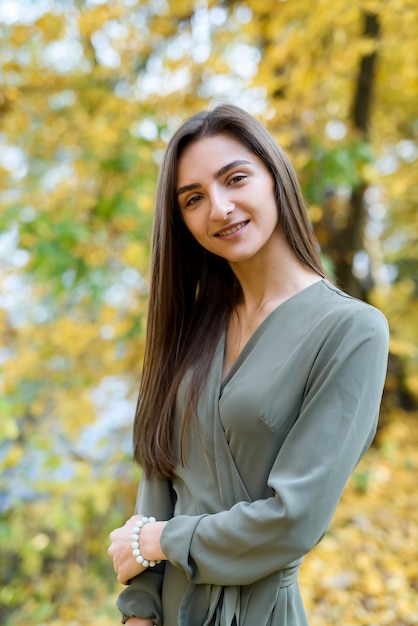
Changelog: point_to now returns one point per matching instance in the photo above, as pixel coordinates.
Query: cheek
(273, 206)
(267, 205)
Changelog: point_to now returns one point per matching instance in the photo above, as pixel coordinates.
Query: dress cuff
(142, 597)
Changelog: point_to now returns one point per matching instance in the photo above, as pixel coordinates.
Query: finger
(113, 535)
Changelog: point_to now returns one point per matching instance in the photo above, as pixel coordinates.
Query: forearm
(124, 562)
(151, 541)
(142, 597)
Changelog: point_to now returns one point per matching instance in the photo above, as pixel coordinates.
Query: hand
(124, 563)
(139, 621)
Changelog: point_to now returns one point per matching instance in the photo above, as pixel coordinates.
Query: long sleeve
(142, 597)
(334, 427)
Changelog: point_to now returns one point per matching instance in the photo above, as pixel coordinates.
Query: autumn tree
(89, 94)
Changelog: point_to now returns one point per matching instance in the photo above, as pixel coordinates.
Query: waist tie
(290, 574)
(213, 605)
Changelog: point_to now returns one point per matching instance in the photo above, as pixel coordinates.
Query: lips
(232, 229)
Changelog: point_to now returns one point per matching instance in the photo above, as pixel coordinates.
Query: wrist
(137, 551)
(150, 541)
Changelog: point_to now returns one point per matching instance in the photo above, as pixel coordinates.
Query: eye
(193, 200)
(236, 178)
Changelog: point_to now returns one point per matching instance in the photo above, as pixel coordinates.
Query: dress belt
(235, 599)
(290, 574)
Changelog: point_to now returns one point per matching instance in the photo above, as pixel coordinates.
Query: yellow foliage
(71, 338)
(83, 212)
(182, 9)
(94, 17)
(12, 457)
(136, 255)
(10, 429)
(402, 348)
(412, 382)
(94, 255)
(161, 25)
(51, 25)
(315, 213)
(146, 203)
(21, 34)
(73, 416)
(27, 366)
(365, 569)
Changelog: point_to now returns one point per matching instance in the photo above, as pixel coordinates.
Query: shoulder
(346, 314)
(340, 304)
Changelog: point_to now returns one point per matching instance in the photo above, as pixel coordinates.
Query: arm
(120, 549)
(142, 596)
(335, 426)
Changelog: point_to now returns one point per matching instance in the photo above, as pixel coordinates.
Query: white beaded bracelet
(136, 551)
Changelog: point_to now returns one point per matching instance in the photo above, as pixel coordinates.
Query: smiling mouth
(231, 230)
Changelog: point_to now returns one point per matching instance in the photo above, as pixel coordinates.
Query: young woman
(260, 391)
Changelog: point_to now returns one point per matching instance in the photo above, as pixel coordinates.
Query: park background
(90, 91)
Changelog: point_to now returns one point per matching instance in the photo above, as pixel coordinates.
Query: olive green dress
(278, 440)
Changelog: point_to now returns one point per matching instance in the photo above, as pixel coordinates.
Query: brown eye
(193, 200)
(237, 178)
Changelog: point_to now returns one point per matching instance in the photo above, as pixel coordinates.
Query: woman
(260, 390)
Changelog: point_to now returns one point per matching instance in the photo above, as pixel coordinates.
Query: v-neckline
(254, 337)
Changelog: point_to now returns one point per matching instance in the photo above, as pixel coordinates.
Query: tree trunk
(350, 240)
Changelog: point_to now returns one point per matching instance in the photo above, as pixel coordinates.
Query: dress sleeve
(142, 596)
(335, 426)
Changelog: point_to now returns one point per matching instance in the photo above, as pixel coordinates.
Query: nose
(220, 206)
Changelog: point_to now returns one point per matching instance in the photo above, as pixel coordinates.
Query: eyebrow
(218, 174)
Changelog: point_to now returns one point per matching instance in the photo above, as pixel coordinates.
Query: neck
(266, 285)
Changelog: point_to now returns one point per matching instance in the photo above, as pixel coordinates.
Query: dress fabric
(277, 441)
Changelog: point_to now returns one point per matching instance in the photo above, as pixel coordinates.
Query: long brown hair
(192, 292)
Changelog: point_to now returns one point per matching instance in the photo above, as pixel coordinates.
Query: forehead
(208, 154)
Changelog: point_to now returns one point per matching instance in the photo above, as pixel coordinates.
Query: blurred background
(90, 92)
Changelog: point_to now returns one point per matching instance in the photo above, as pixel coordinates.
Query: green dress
(277, 441)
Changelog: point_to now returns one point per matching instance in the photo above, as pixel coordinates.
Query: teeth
(232, 230)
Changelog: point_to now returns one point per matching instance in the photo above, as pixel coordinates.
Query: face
(226, 197)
